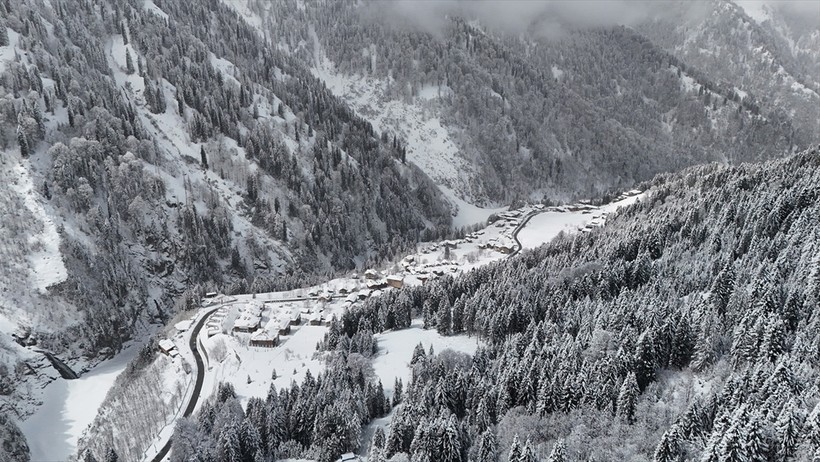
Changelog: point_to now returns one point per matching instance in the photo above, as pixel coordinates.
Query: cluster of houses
(249, 320)
(502, 244)
(375, 282)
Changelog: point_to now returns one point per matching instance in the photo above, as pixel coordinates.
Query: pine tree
(397, 392)
(683, 345)
(111, 455)
(22, 141)
(559, 452)
(515, 450)
(644, 361)
(418, 354)
(668, 449)
(4, 34)
(628, 398)
(458, 316)
(757, 439)
(129, 62)
(528, 454)
(445, 319)
(732, 448)
(203, 158)
(788, 427)
(487, 447)
(813, 426)
(774, 338)
(450, 442)
(722, 288)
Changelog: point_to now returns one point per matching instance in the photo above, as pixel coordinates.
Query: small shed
(395, 281)
(166, 346)
(349, 457)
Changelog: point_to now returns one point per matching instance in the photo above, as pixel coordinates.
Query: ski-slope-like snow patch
(46, 262)
(758, 10)
(467, 214)
(69, 406)
(431, 92)
(395, 350)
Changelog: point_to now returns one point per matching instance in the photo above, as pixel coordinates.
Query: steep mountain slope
(150, 155)
(774, 57)
(579, 114)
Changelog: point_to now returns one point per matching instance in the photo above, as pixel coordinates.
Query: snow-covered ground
(69, 406)
(396, 349)
(543, 228)
(46, 262)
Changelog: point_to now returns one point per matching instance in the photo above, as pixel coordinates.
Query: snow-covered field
(396, 349)
(543, 228)
(68, 407)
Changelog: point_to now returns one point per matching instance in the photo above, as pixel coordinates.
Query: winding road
(200, 378)
(519, 228)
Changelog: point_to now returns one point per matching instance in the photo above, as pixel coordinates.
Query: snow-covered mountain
(765, 49)
(518, 108)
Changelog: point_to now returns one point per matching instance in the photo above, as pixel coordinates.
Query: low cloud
(545, 18)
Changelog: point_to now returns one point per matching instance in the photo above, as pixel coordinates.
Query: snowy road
(200, 378)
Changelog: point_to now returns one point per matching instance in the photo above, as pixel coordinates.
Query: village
(267, 320)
